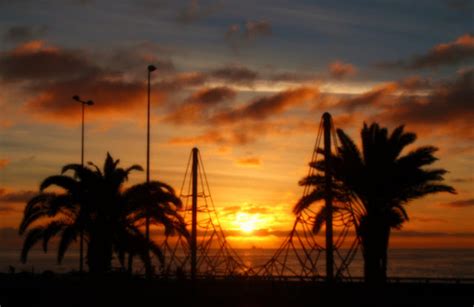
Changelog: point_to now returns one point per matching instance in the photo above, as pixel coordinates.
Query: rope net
(301, 255)
(215, 257)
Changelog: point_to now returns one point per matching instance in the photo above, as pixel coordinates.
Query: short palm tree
(93, 201)
(379, 181)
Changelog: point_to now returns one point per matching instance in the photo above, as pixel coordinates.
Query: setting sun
(247, 223)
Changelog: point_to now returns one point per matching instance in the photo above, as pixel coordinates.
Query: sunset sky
(245, 82)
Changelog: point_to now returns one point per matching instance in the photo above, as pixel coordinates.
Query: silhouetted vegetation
(379, 181)
(93, 201)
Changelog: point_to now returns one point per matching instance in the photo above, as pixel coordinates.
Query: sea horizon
(457, 263)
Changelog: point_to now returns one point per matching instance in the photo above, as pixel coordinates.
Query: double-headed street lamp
(83, 104)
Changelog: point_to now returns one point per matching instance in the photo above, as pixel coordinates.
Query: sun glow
(247, 222)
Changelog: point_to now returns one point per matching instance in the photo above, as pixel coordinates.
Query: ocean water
(425, 263)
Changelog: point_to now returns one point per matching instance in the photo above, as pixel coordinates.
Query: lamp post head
(151, 68)
(76, 97)
(90, 102)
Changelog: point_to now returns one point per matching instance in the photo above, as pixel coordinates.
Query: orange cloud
(448, 106)
(52, 75)
(220, 136)
(249, 161)
(265, 107)
(376, 96)
(12, 201)
(21, 196)
(235, 74)
(197, 106)
(450, 53)
(443, 107)
(464, 203)
(339, 69)
(211, 96)
(4, 163)
(113, 97)
(36, 61)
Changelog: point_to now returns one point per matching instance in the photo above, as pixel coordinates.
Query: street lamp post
(150, 69)
(81, 241)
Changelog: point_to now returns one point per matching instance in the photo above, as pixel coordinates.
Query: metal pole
(194, 215)
(81, 239)
(150, 68)
(81, 234)
(328, 197)
(147, 226)
(82, 137)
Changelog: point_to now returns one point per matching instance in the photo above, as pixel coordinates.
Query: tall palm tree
(94, 201)
(379, 181)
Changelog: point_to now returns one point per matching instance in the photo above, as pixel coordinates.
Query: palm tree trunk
(130, 263)
(374, 237)
(100, 250)
(385, 252)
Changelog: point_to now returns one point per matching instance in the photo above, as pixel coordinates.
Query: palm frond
(67, 183)
(69, 234)
(32, 236)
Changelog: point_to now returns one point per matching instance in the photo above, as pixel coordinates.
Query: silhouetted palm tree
(163, 205)
(380, 182)
(93, 201)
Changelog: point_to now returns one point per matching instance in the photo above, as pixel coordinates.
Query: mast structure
(328, 197)
(302, 253)
(194, 214)
(206, 252)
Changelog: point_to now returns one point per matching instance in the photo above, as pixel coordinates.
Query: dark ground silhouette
(120, 290)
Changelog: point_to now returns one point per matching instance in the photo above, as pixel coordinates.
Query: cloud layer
(455, 52)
